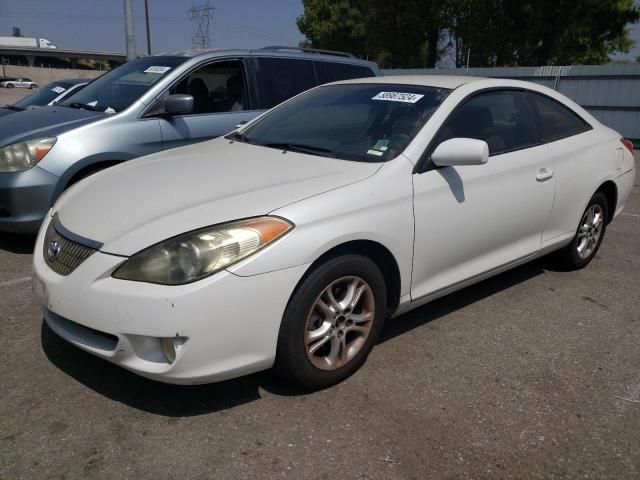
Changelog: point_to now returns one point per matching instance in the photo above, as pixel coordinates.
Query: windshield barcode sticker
(398, 97)
(156, 69)
(58, 89)
(375, 152)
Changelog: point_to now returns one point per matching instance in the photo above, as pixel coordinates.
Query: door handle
(544, 175)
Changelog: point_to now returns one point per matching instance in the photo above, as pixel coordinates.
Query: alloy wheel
(339, 323)
(590, 231)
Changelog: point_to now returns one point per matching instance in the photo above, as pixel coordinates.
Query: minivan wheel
(332, 322)
(588, 237)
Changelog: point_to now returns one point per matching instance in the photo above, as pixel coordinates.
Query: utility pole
(129, 34)
(146, 17)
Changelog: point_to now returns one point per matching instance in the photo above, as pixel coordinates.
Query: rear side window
(556, 120)
(333, 72)
(502, 118)
(280, 79)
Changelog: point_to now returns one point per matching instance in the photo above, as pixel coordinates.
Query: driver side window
(217, 87)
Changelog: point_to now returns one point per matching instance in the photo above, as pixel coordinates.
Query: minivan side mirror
(460, 151)
(178, 104)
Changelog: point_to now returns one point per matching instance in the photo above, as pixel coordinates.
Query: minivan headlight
(196, 255)
(24, 155)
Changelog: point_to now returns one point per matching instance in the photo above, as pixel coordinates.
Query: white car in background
(19, 83)
(290, 241)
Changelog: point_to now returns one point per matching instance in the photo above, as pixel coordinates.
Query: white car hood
(141, 202)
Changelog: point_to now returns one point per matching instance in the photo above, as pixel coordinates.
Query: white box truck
(25, 42)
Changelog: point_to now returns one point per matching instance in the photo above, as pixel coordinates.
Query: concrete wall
(42, 76)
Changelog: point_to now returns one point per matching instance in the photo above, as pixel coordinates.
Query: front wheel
(31, 87)
(10, 85)
(588, 237)
(332, 322)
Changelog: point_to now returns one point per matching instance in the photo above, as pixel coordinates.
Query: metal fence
(611, 93)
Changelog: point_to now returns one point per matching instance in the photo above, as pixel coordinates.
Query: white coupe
(289, 242)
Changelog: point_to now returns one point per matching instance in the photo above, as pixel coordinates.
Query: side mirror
(460, 151)
(178, 104)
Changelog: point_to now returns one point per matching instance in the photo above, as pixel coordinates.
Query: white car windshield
(116, 90)
(362, 122)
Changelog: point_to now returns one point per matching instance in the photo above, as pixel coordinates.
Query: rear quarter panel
(582, 163)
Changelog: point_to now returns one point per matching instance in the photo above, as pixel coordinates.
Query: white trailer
(26, 42)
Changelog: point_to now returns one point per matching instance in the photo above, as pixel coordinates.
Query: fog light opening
(171, 347)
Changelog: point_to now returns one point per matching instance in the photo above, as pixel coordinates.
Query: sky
(99, 24)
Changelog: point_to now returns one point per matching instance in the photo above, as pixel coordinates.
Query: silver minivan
(144, 106)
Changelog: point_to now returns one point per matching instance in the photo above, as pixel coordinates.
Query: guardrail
(611, 93)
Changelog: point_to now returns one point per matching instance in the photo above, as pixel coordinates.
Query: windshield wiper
(14, 108)
(298, 147)
(84, 106)
(238, 136)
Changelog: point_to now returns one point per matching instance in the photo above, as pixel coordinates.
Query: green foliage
(410, 33)
(394, 33)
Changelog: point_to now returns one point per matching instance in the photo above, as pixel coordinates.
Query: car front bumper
(25, 198)
(229, 324)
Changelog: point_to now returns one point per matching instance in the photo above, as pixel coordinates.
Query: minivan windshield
(116, 90)
(362, 122)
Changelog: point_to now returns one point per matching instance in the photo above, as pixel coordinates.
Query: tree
(394, 33)
(542, 32)
(410, 33)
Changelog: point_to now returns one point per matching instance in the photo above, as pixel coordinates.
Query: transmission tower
(201, 16)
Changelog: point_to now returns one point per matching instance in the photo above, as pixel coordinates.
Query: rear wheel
(588, 237)
(332, 322)
(10, 85)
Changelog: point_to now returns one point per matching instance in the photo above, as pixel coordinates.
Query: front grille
(61, 254)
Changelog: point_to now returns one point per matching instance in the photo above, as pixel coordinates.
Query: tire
(586, 242)
(10, 85)
(341, 329)
(31, 87)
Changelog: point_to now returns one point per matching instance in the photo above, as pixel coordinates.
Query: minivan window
(362, 122)
(281, 78)
(116, 90)
(556, 120)
(502, 118)
(216, 88)
(334, 72)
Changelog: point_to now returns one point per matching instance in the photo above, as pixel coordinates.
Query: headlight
(195, 255)
(24, 155)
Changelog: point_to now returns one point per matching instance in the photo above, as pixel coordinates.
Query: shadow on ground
(123, 386)
(15, 243)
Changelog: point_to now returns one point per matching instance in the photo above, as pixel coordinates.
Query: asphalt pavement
(532, 374)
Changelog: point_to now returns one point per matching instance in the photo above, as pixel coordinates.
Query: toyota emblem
(53, 250)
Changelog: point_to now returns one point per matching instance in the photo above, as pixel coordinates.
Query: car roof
(285, 52)
(73, 81)
(438, 81)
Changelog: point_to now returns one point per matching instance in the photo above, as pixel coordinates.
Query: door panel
(473, 219)
(183, 130)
